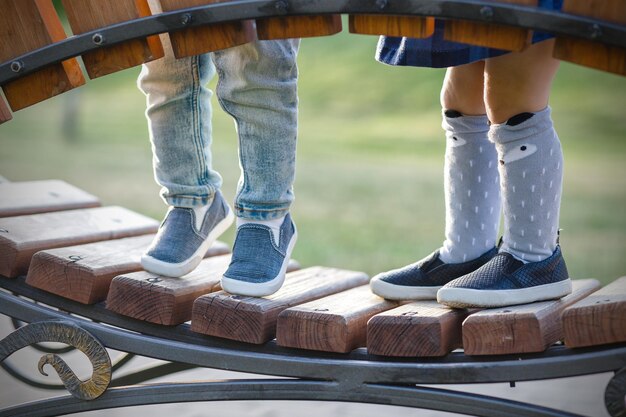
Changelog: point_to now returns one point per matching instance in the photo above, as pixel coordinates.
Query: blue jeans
(258, 87)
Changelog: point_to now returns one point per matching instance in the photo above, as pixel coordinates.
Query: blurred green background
(369, 189)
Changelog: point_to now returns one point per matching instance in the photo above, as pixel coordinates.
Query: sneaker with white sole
(505, 281)
(259, 261)
(422, 279)
(185, 236)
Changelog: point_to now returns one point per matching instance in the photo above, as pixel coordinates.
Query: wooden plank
(22, 236)
(26, 25)
(298, 27)
(337, 323)
(167, 300)
(418, 329)
(588, 53)
(409, 26)
(199, 40)
(88, 15)
(523, 328)
(253, 320)
(490, 35)
(597, 319)
(84, 273)
(5, 113)
(31, 197)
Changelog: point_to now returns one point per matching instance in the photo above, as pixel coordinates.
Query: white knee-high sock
(531, 171)
(472, 189)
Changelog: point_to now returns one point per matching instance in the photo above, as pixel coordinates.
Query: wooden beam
(588, 53)
(26, 25)
(598, 319)
(199, 40)
(164, 300)
(84, 273)
(298, 27)
(523, 328)
(5, 113)
(31, 197)
(22, 236)
(337, 323)
(253, 320)
(490, 35)
(88, 15)
(417, 329)
(409, 26)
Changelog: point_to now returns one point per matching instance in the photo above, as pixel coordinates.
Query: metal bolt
(281, 6)
(486, 12)
(4, 231)
(381, 4)
(98, 39)
(75, 258)
(17, 66)
(154, 280)
(595, 31)
(186, 19)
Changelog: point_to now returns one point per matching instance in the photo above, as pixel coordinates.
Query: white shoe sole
(176, 270)
(402, 292)
(262, 289)
(465, 297)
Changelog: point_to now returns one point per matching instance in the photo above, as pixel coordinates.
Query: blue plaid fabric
(435, 52)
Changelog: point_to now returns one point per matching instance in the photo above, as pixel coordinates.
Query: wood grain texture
(84, 273)
(523, 328)
(490, 35)
(32, 24)
(337, 323)
(597, 319)
(588, 53)
(88, 15)
(199, 40)
(298, 27)
(164, 300)
(5, 113)
(31, 197)
(22, 236)
(253, 320)
(417, 329)
(409, 26)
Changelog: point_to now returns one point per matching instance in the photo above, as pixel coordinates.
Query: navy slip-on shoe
(422, 279)
(258, 264)
(183, 240)
(505, 280)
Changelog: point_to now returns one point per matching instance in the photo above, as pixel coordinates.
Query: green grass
(369, 184)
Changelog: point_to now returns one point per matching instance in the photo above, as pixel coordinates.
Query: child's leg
(258, 87)
(529, 266)
(472, 197)
(179, 121)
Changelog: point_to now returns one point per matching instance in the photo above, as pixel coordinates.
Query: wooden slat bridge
(70, 268)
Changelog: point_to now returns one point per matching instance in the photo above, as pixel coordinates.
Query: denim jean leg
(179, 120)
(258, 88)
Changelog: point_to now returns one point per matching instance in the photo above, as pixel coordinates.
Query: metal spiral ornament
(615, 394)
(70, 334)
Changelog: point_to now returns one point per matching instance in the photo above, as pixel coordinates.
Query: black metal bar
(272, 389)
(179, 344)
(501, 13)
(150, 372)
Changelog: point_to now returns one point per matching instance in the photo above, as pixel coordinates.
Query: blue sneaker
(422, 280)
(505, 281)
(185, 236)
(258, 264)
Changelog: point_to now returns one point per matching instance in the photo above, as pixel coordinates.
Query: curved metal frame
(533, 18)
(354, 377)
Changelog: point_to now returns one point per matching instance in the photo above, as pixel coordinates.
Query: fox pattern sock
(472, 188)
(531, 171)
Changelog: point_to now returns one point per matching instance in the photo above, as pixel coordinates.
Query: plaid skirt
(435, 52)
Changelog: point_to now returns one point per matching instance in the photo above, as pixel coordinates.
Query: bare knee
(463, 89)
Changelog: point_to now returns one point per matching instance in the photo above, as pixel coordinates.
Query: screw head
(486, 12)
(381, 4)
(186, 19)
(595, 31)
(17, 66)
(98, 39)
